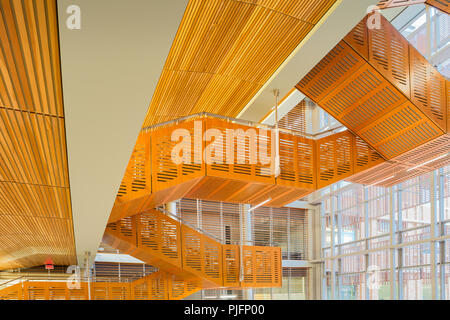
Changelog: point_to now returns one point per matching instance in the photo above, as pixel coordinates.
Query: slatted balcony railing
(173, 246)
(443, 5)
(381, 88)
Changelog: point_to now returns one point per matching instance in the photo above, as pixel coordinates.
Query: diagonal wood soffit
(35, 212)
(224, 52)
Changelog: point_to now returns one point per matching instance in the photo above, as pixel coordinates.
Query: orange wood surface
(35, 209)
(381, 88)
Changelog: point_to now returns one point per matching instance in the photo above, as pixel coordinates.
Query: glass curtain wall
(387, 243)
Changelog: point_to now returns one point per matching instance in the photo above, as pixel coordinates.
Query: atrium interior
(225, 150)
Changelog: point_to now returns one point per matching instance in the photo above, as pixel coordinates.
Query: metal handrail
(244, 122)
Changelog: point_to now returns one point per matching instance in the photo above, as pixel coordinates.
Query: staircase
(171, 245)
(307, 164)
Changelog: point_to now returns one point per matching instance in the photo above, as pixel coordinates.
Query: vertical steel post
(433, 261)
(441, 233)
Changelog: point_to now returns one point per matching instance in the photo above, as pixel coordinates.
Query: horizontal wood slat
(35, 211)
(239, 179)
(443, 5)
(225, 51)
(381, 88)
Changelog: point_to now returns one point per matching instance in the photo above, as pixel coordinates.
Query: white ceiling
(333, 27)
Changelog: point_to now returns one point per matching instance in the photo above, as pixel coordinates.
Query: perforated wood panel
(234, 174)
(379, 87)
(428, 88)
(443, 5)
(365, 156)
(166, 173)
(13, 292)
(261, 266)
(428, 157)
(297, 157)
(234, 151)
(137, 178)
(231, 265)
(186, 252)
(35, 211)
(295, 119)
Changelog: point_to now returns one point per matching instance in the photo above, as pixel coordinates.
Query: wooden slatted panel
(34, 179)
(334, 158)
(428, 88)
(160, 235)
(371, 95)
(231, 265)
(243, 164)
(166, 173)
(261, 266)
(433, 154)
(202, 255)
(295, 119)
(12, 293)
(443, 5)
(224, 52)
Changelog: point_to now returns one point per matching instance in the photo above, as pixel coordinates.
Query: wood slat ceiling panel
(35, 212)
(225, 51)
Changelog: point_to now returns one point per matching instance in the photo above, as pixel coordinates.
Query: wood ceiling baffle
(35, 210)
(224, 52)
